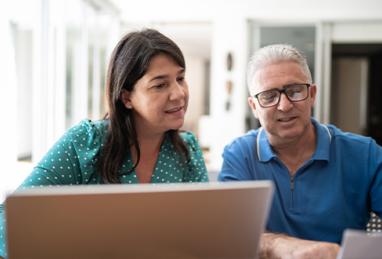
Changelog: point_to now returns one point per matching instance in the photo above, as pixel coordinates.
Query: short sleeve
(235, 161)
(71, 160)
(375, 168)
(197, 171)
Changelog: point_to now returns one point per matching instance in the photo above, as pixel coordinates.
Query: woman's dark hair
(129, 62)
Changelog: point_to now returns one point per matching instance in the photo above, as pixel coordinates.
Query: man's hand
(279, 246)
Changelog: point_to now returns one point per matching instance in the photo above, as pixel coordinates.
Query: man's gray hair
(272, 54)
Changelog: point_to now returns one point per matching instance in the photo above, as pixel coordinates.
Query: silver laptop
(205, 220)
(358, 244)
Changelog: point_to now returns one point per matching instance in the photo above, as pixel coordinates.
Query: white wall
(230, 36)
(195, 75)
(24, 71)
(8, 88)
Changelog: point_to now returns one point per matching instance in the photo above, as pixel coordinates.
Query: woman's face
(160, 98)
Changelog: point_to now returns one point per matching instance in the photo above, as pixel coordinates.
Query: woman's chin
(176, 126)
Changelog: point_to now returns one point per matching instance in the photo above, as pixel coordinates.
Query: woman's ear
(125, 97)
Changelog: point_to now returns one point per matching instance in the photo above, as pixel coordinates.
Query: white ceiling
(194, 38)
(203, 10)
(167, 10)
(182, 21)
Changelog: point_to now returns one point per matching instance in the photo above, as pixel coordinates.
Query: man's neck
(295, 152)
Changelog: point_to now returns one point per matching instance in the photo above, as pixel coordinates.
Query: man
(325, 180)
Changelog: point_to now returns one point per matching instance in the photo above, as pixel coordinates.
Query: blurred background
(54, 55)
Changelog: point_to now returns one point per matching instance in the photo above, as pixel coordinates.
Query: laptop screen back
(358, 244)
(208, 220)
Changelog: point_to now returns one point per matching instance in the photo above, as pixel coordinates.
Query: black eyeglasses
(294, 93)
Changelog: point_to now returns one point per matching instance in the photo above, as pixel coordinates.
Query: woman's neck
(149, 146)
(150, 143)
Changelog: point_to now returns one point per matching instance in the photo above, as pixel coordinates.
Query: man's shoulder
(246, 140)
(350, 138)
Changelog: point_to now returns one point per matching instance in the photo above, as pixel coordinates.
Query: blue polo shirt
(334, 190)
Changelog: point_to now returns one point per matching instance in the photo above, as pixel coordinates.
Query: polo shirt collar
(324, 137)
(264, 149)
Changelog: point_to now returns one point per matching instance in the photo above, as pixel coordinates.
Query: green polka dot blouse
(72, 160)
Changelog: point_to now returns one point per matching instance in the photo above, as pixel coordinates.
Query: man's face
(287, 121)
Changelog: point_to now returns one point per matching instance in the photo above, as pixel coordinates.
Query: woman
(139, 139)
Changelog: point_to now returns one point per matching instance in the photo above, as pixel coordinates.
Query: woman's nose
(177, 91)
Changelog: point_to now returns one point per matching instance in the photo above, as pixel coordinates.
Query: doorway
(356, 88)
